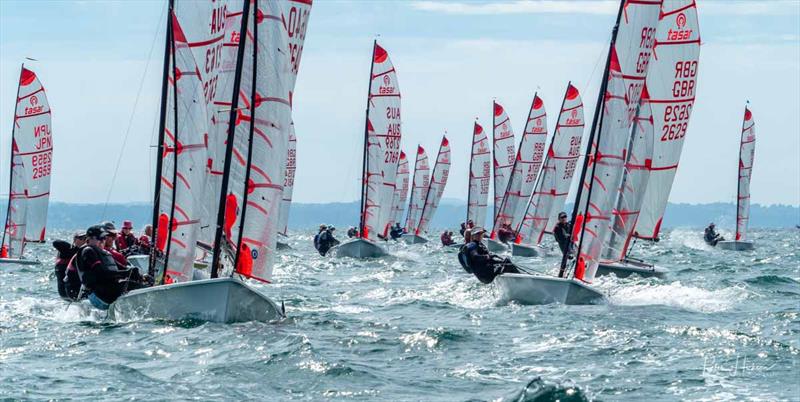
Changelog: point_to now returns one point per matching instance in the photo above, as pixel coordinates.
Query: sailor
(322, 228)
(463, 229)
(480, 262)
(396, 231)
(470, 224)
(125, 239)
(711, 236)
(562, 232)
(67, 284)
(505, 234)
(101, 279)
(326, 240)
(352, 232)
(109, 239)
(447, 238)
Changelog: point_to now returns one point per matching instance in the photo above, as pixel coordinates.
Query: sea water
(415, 326)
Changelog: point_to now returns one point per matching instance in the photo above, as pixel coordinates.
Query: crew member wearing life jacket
(125, 239)
(447, 238)
(352, 232)
(505, 234)
(711, 236)
(68, 283)
(108, 244)
(561, 232)
(476, 259)
(326, 240)
(102, 281)
(396, 232)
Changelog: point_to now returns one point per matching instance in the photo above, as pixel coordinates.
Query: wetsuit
(100, 275)
(326, 241)
(485, 265)
(65, 253)
(562, 234)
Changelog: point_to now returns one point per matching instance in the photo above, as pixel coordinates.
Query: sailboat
(504, 155)
(525, 170)
(259, 122)
(669, 91)
(381, 155)
(747, 149)
(433, 192)
(31, 161)
(550, 192)
(480, 162)
(602, 168)
(401, 188)
(416, 203)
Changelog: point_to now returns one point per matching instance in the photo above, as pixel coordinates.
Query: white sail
(504, 154)
(671, 83)
(628, 62)
(634, 182)
(14, 233)
(525, 169)
(288, 182)
(401, 189)
(480, 164)
(183, 160)
(746, 152)
(555, 178)
(438, 181)
(419, 188)
(260, 142)
(33, 145)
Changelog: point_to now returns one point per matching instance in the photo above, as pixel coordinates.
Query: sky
(101, 65)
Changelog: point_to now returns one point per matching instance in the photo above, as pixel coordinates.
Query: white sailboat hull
(627, 268)
(223, 300)
(359, 248)
(496, 246)
(414, 239)
(534, 289)
(735, 245)
(525, 250)
(20, 261)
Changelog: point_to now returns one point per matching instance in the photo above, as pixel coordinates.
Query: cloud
(761, 7)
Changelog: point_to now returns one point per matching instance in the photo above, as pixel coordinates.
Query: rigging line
(133, 112)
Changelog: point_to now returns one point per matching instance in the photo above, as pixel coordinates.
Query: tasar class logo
(386, 88)
(573, 119)
(681, 33)
(34, 106)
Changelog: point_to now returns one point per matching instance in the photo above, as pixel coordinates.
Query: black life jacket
(463, 256)
(105, 258)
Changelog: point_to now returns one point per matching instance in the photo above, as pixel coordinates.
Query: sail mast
(215, 262)
(595, 130)
(365, 163)
(469, 173)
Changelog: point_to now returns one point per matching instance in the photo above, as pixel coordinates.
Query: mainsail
(401, 189)
(183, 155)
(419, 189)
(31, 163)
(525, 169)
(618, 99)
(257, 144)
(551, 189)
(288, 183)
(504, 154)
(746, 152)
(480, 163)
(671, 83)
(441, 170)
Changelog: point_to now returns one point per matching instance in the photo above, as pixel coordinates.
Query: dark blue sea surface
(723, 325)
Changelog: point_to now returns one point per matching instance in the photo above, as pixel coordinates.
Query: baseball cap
(96, 231)
(109, 227)
(562, 215)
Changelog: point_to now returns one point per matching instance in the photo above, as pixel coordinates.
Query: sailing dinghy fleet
(227, 157)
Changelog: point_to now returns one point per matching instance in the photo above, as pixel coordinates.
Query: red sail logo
(386, 88)
(35, 108)
(681, 20)
(679, 34)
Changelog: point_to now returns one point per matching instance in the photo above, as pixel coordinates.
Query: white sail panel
(504, 154)
(671, 83)
(438, 181)
(401, 189)
(746, 153)
(479, 177)
(419, 189)
(260, 144)
(634, 182)
(14, 233)
(526, 168)
(288, 182)
(184, 156)
(555, 178)
(34, 147)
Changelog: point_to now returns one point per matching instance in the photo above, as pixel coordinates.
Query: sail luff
(504, 154)
(419, 188)
(401, 189)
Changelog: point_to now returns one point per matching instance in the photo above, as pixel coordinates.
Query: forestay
(554, 181)
(746, 153)
(183, 155)
(260, 141)
(504, 155)
(419, 189)
(634, 182)
(479, 176)
(438, 181)
(627, 68)
(671, 83)
(401, 188)
(525, 169)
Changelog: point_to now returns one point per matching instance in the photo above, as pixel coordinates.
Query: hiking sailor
(476, 259)
(326, 240)
(561, 232)
(396, 231)
(711, 236)
(505, 234)
(68, 283)
(109, 240)
(447, 238)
